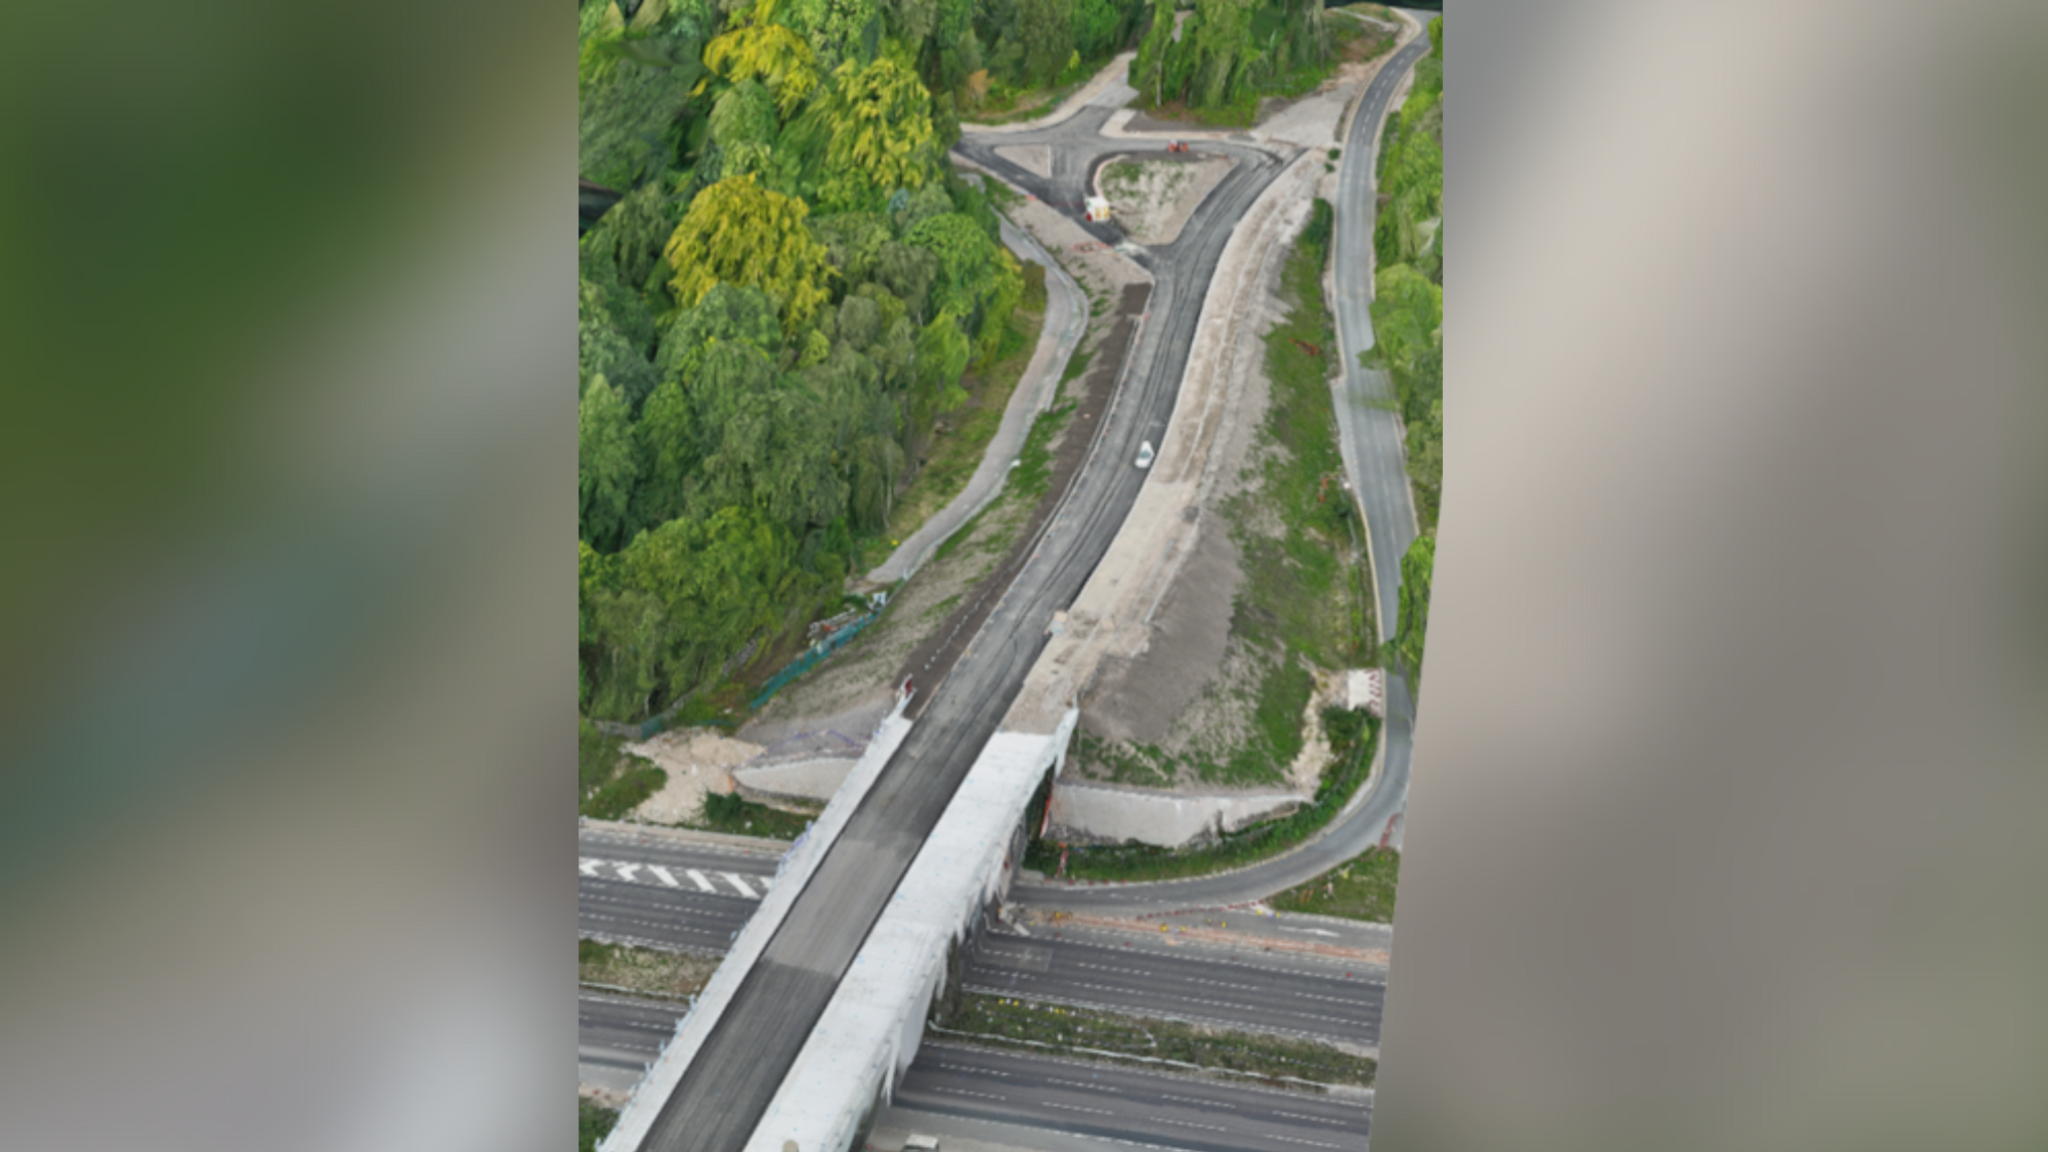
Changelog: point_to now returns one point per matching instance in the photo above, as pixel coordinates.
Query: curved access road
(1370, 437)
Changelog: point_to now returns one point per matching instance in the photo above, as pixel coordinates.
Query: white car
(1145, 454)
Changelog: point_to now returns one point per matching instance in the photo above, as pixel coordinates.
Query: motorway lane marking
(1089, 1085)
(1292, 1140)
(1203, 1103)
(1188, 1124)
(629, 872)
(1078, 1108)
(1299, 1116)
(965, 1092)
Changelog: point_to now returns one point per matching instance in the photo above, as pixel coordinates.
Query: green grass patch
(1362, 889)
(1352, 737)
(731, 814)
(1076, 364)
(610, 783)
(1300, 588)
(1033, 474)
(593, 1123)
(1088, 1034)
(669, 974)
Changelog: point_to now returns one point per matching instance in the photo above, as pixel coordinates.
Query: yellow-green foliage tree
(769, 52)
(881, 132)
(739, 233)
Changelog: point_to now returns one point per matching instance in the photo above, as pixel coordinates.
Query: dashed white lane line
(1201, 1103)
(1188, 1124)
(733, 878)
(699, 879)
(1078, 1108)
(662, 874)
(1292, 1140)
(1300, 1116)
(965, 1092)
(1086, 1085)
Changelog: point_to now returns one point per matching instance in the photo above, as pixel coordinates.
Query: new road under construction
(812, 1024)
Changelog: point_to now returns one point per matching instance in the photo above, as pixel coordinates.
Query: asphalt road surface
(659, 893)
(1120, 1104)
(1370, 437)
(1277, 994)
(748, 1052)
(618, 1036)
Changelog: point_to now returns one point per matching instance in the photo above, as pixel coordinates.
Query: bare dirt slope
(1153, 196)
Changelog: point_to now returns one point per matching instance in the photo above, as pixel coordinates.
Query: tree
(1407, 315)
(605, 469)
(1095, 26)
(1222, 37)
(769, 52)
(620, 635)
(1046, 30)
(838, 29)
(720, 580)
(1417, 566)
(601, 350)
(727, 313)
(737, 232)
(881, 133)
(1148, 68)
(743, 124)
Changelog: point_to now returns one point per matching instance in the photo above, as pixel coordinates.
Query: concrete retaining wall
(1089, 813)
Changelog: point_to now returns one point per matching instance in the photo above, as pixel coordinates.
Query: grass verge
(739, 817)
(610, 783)
(1352, 737)
(1089, 1034)
(1360, 890)
(644, 970)
(593, 1123)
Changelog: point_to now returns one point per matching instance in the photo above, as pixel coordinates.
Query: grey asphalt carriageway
(619, 1035)
(1370, 438)
(750, 1049)
(658, 890)
(1326, 997)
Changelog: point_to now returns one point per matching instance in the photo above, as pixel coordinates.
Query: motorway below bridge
(1334, 996)
(1113, 1103)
